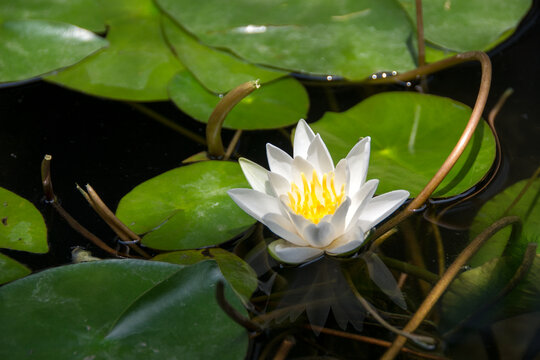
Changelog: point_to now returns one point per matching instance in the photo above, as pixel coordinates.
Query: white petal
(319, 156)
(342, 175)
(338, 219)
(358, 161)
(279, 161)
(279, 184)
(255, 203)
(299, 222)
(359, 201)
(303, 136)
(281, 226)
(299, 166)
(349, 241)
(256, 175)
(288, 253)
(380, 207)
(319, 235)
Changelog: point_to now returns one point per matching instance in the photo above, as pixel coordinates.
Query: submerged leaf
(412, 134)
(504, 204)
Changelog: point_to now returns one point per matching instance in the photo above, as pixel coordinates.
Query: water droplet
(220, 96)
(374, 76)
(329, 78)
(394, 73)
(384, 75)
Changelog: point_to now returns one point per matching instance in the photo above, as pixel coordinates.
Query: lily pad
(119, 309)
(411, 136)
(216, 70)
(32, 48)
(280, 103)
(527, 208)
(137, 66)
(11, 270)
(21, 225)
(238, 273)
(475, 288)
(466, 25)
(87, 14)
(187, 207)
(354, 38)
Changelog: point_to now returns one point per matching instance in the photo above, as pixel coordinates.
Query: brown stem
(466, 136)
(414, 253)
(232, 312)
(284, 348)
(167, 122)
(46, 178)
(448, 277)
(114, 223)
(370, 340)
(523, 191)
(420, 34)
(232, 144)
(440, 248)
(222, 109)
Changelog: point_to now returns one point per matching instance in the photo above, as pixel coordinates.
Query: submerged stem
(448, 277)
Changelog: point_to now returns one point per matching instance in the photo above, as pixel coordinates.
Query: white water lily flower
(314, 207)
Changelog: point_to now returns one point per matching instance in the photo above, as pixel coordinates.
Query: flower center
(315, 200)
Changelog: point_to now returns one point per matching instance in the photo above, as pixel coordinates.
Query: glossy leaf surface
(411, 136)
(216, 70)
(527, 207)
(32, 48)
(187, 207)
(273, 105)
(350, 38)
(22, 227)
(238, 273)
(119, 309)
(136, 66)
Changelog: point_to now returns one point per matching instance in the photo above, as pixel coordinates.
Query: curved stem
(448, 277)
(466, 136)
(222, 109)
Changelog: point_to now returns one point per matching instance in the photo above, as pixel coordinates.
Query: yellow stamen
(316, 200)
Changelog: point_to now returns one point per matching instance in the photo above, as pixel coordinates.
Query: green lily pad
(87, 14)
(32, 48)
(21, 225)
(280, 103)
(137, 66)
(352, 39)
(11, 270)
(466, 25)
(527, 208)
(238, 273)
(475, 288)
(119, 309)
(218, 71)
(187, 207)
(411, 136)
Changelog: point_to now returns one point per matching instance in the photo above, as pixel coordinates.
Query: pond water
(114, 147)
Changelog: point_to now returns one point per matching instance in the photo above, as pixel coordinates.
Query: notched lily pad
(274, 105)
(119, 309)
(21, 225)
(187, 207)
(411, 136)
(32, 48)
(238, 273)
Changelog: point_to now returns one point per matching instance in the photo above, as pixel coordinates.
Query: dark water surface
(114, 147)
